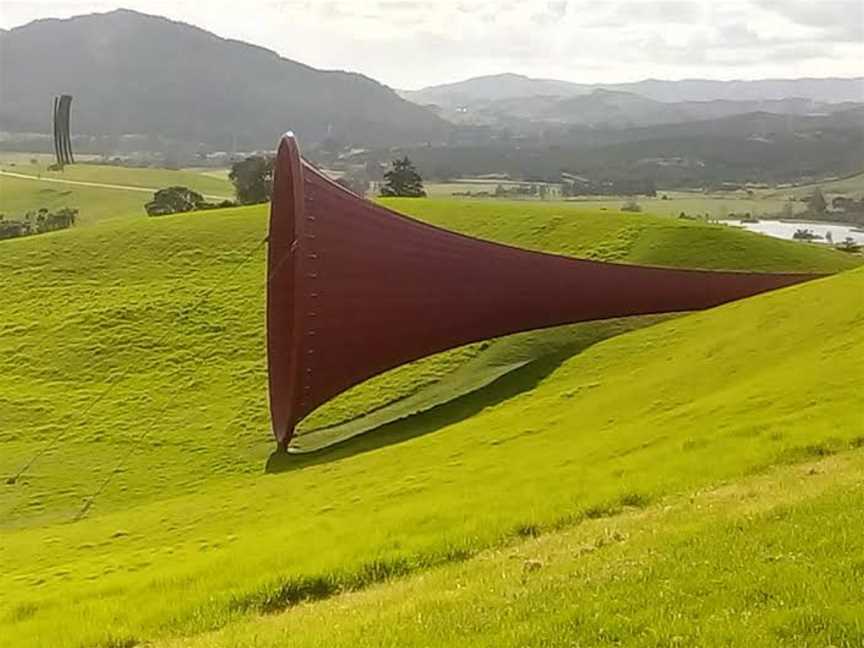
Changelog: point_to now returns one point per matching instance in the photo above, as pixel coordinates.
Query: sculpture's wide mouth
(286, 209)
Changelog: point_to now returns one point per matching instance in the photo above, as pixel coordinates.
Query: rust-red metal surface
(356, 289)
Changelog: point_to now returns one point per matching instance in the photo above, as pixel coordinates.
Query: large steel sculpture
(356, 289)
(62, 138)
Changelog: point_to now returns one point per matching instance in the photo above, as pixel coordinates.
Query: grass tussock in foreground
(191, 536)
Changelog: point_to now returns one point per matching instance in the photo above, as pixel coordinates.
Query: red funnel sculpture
(356, 289)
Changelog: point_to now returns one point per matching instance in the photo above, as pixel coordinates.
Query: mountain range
(132, 73)
(514, 86)
(146, 83)
(510, 100)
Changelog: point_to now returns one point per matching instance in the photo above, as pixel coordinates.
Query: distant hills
(616, 109)
(508, 99)
(513, 86)
(755, 147)
(676, 133)
(146, 83)
(132, 73)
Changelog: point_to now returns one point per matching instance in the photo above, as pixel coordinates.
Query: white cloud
(411, 43)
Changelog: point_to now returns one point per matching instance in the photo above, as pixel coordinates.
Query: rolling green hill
(189, 533)
(97, 191)
(683, 570)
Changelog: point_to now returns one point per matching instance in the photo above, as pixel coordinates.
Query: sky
(415, 43)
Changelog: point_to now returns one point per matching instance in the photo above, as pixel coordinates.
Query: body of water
(786, 230)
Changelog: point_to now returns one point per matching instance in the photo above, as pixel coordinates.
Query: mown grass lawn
(767, 560)
(19, 195)
(192, 534)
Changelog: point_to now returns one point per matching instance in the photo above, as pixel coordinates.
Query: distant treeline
(620, 187)
(37, 221)
(747, 149)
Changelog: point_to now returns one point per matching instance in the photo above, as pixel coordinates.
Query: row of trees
(253, 178)
(619, 187)
(37, 221)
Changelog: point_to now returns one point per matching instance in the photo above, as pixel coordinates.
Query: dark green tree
(253, 179)
(403, 180)
(37, 221)
(174, 200)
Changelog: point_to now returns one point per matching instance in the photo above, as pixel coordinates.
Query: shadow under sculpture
(356, 289)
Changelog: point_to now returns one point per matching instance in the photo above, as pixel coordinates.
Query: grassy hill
(79, 186)
(189, 533)
(683, 570)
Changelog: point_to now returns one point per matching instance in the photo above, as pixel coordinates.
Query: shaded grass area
(390, 388)
(774, 559)
(480, 373)
(456, 408)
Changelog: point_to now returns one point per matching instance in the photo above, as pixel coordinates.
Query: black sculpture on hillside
(62, 138)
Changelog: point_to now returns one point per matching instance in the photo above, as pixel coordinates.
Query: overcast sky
(410, 44)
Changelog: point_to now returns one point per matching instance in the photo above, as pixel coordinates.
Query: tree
(252, 179)
(37, 221)
(174, 200)
(403, 180)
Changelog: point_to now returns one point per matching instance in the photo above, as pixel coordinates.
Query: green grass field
(132, 188)
(693, 203)
(783, 550)
(574, 434)
(717, 205)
